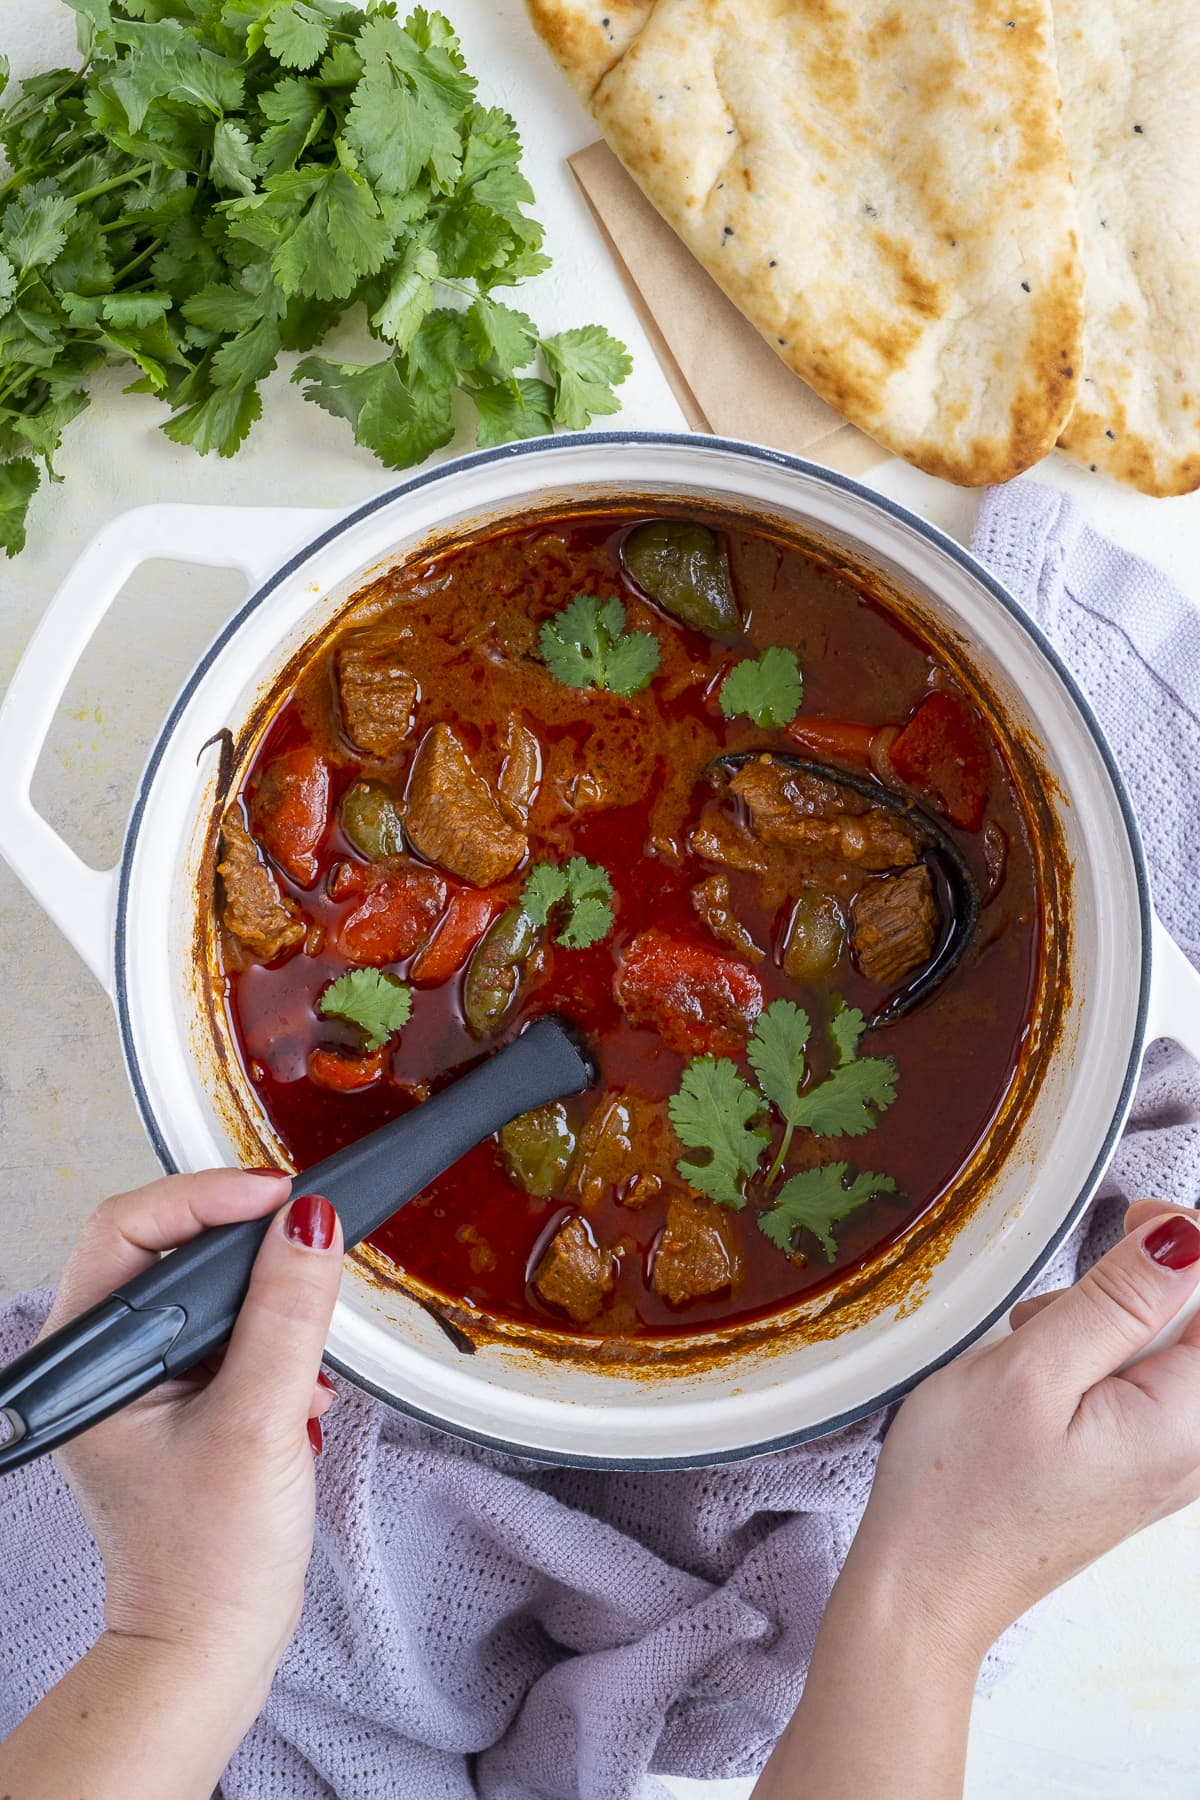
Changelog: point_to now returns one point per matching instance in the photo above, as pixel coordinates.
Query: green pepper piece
(684, 569)
(495, 970)
(536, 1149)
(370, 818)
(815, 934)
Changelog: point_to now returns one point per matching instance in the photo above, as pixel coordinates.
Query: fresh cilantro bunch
(378, 1004)
(220, 182)
(578, 893)
(718, 1111)
(587, 645)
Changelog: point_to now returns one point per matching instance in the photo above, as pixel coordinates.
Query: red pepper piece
(344, 1074)
(467, 918)
(700, 1002)
(842, 739)
(289, 811)
(393, 918)
(943, 752)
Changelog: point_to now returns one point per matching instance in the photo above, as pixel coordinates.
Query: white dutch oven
(133, 925)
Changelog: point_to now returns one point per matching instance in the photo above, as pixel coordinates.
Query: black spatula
(168, 1318)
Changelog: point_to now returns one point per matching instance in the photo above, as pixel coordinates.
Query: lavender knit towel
(475, 1625)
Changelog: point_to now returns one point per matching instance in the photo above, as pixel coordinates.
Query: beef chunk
(696, 1254)
(576, 1273)
(453, 818)
(254, 911)
(789, 807)
(717, 839)
(777, 796)
(701, 1002)
(895, 925)
(711, 900)
(378, 695)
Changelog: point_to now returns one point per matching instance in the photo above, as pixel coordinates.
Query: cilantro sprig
(718, 1111)
(586, 645)
(767, 688)
(579, 895)
(220, 183)
(378, 1004)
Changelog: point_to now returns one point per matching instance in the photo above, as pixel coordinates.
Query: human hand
(1020, 1463)
(200, 1496)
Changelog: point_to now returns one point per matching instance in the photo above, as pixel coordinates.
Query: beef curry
(699, 790)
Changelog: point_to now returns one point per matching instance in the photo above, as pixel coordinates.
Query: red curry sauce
(622, 785)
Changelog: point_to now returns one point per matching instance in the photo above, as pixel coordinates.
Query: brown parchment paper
(725, 377)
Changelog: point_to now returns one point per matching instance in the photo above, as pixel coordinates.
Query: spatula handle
(183, 1307)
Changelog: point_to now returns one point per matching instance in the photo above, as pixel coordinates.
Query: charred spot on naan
(589, 39)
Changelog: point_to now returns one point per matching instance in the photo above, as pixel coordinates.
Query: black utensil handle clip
(95, 1364)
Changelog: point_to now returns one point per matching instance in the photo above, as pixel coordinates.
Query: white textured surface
(1103, 1706)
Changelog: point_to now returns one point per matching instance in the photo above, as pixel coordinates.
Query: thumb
(274, 1352)
(1120, 1304)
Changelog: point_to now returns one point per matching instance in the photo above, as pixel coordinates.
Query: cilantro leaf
(376, 1002)
(850, 1100)
(8, 280)
(775, 1050)
(586, 365)
(18, 484)
(410, 297)
(586, 645)
(512, 409)
(218, 422)
(35, 224)
(401, 422)
(717, 1110)
(296, 35)
(581, 893)
(232, 165)
(846, 1028)
(818, 1199)
(767, 688)
(338, 235)
(545, 886)
(503, 338)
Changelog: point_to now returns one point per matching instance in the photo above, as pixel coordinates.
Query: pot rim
(702, 443)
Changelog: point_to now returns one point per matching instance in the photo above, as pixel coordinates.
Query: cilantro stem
(115, 181)
(137, 261)
(785, 1144)
(35, 103)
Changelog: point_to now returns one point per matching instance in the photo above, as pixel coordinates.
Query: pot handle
(82, 900)
(1174, 993)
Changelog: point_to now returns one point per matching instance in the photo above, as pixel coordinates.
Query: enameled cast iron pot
(1121, 981)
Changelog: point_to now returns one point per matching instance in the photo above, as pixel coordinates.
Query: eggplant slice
(952, 876)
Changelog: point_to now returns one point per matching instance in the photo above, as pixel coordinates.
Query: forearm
(886, 1706)
(132, 1721)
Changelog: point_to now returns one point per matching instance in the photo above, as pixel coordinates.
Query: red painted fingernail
(324, 1381)
(1175, 1243)
(279, 1174)
(311, 1221)
(314, 1436)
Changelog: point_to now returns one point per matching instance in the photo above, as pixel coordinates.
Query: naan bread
(879, 185)
(1130, 72)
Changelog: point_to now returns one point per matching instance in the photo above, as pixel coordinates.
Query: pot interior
(815, 1373)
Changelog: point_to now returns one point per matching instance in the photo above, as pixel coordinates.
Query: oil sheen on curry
(701, 792)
